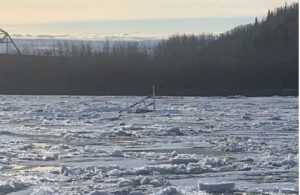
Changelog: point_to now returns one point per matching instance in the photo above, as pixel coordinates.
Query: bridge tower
(7, 41)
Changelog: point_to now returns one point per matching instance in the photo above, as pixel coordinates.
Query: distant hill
(254, 59)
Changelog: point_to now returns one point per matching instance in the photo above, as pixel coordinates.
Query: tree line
(255, 59)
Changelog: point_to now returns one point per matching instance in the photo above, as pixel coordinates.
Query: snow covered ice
(190, 145)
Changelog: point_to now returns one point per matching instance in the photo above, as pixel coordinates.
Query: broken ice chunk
(179, 160)
(117, 153)
(169, 191)
(136, 193)
(288, 161)
(11, 185)
(123, 133)
(114, 172)
(125, 183)
(175, 131)
(174, 153)
(99, 193)
(216, 187)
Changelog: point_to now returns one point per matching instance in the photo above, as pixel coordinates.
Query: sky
(131, 18)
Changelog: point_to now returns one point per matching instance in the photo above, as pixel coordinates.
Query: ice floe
(216, 187)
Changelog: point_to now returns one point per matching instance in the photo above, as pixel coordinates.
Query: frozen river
(82, 145)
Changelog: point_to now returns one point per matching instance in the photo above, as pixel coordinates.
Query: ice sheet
(74, 144)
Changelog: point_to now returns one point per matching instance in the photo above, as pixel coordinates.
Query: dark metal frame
(6, 39)
(143, 101)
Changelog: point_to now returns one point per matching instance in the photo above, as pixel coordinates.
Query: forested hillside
(254, 59)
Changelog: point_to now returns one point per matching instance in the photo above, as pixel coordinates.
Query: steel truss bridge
(7, 41)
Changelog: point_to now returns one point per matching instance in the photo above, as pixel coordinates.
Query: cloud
(49, 11)
(130, 28)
